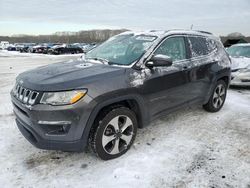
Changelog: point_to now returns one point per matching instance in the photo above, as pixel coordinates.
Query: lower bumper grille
(20, 110)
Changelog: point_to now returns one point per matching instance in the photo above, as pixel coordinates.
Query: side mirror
(159, 61)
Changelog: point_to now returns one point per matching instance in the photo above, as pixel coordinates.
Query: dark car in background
(11, 48)
(65, 49)
(39, 48)
(121, 85)
(52, 48)
(49, 46)
(19, 46)
(26, 46)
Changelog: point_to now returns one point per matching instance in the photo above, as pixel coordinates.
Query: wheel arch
(225, 76)
(133, 102)
(226, 79)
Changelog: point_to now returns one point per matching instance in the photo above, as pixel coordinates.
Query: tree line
(65, 37)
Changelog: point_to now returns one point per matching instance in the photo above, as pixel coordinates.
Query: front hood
(66, 75)
(240, 62)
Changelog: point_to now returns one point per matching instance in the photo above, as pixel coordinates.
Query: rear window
(201, 46)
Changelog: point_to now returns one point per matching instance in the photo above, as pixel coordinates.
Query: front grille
(24, 95)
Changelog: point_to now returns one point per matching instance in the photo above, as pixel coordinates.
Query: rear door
(202, 51)
(169, 87)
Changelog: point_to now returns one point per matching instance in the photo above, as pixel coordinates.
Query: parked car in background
(4, 45)
(119, 86)
(49, 46)
(19, 46)
(89, 47)
(40, 48)
(11, 47)
(241, 78)
(37, 48)
(65, 49)
(26, 47)
(240, 56)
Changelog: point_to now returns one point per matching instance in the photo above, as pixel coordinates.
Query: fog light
(54, 122)
(55, 127)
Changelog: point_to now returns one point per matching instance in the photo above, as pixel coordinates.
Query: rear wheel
(217, 98)
(114, 133)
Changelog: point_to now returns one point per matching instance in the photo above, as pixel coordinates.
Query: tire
(113, 133)
(218, 97)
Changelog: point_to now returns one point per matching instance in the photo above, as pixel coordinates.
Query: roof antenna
(192, 27)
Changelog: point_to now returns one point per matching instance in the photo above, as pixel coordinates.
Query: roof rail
(205, 32)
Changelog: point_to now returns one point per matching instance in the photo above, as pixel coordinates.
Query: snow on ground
(188, 148)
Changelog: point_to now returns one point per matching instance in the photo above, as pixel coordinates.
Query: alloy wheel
(117, 135)
(219, 96)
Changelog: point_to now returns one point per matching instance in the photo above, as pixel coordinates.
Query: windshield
(122, 49)
(239, 51)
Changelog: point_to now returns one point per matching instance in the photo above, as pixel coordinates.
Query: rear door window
(200, 46)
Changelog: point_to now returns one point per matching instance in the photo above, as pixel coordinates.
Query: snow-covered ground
(189, 148)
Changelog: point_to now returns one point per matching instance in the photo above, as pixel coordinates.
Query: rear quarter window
(200, 46)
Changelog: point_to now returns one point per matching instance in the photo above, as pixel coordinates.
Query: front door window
(173, 47)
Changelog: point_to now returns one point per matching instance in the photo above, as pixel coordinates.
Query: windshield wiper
(102, 60)
(105, 61)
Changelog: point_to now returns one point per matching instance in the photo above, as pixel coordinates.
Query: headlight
(62, 98)
(245, 70)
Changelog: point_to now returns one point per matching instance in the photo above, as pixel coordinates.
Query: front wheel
(114, 133)
(217, 98)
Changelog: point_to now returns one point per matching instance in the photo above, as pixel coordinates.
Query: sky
(49, 16)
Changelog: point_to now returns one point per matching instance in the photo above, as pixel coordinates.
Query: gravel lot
(189, 148)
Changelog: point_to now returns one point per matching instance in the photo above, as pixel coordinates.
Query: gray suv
(119, 86)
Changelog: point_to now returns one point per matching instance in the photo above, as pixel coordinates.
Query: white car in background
(240, 56)
(4, 45)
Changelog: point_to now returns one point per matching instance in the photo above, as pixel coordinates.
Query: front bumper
(240, 81)
(54, 127)
(32, 136)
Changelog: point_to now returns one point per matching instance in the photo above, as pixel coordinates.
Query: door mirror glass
(159, 60)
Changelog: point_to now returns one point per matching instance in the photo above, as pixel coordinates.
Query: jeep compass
(123, 84)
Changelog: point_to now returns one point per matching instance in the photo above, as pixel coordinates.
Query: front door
(168, 87)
